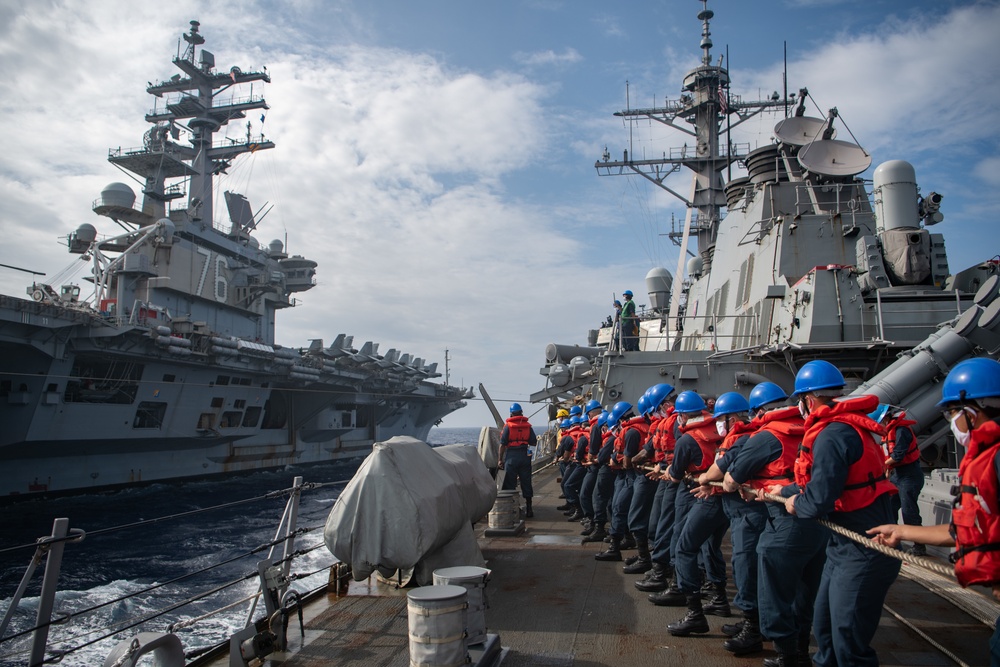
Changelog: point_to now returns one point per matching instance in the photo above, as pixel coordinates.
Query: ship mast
(194, 110)
(704, 104)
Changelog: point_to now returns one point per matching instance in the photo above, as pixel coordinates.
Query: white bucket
(437, 626)
(506, 510)
(474, 580)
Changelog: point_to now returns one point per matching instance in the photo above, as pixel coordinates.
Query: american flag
(723, 99)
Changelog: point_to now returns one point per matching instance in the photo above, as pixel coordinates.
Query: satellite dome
(694, 267)
(118, 194)
(658, 282)
(86, 233)
(275, 247)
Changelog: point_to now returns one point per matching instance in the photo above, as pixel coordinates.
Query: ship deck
(552, 604)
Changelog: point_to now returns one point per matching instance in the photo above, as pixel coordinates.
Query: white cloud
(568, 56)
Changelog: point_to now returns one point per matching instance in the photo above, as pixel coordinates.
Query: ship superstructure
(165, 365)
(797, 258)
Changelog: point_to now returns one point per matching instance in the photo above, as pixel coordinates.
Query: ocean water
(106, 566)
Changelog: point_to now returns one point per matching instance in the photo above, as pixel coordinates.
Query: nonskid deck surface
(552, 604)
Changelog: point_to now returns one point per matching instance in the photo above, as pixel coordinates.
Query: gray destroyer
(798, 258)
(163, 363)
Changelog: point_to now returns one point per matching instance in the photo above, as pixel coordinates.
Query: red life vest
(663, 438)
(640, 424)
(897, 422)
(704, 433)
(787, 426)
(975, 515)
(736, 431)
(866, 478)
(518, 431)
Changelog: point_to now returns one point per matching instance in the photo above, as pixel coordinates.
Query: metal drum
(474, 580)
(506, 510)
(437, 626)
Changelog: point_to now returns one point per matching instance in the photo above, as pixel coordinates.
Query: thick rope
(920, 561)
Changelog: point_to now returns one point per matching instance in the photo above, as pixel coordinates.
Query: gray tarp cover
(411, 506)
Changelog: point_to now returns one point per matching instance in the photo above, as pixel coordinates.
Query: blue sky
(436, 158)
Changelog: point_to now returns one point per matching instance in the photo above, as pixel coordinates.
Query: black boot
(576, 515)
(571, 508)
(588, 526)
(732, 629)
(694, 622)
(628, 542)
(564, 506)
(613, 552)
(655, 580)
(805, 660)
(749, 639)
(644, 563)
(672, 597)
(782, 660)
(527, 511)
(598, 534)
(718, 604)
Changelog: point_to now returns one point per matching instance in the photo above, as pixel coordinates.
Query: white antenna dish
(800, 130)
(829, 157)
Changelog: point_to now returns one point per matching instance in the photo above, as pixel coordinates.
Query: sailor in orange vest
(517, 441)
(840, 476)
(903, 461)
(589, 462)
(744, 520)
(697, 520)
(791, 552)
(970, 400)
(661, 513)
(630, 432)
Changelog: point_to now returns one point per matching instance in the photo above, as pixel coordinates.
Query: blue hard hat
(879, 414)
(972, 379)
(618, 303)
(619, 409)
(766, 392)
(818, 374)
(579, 419)
(657, 394)
(689, 401)
(565, 423)
(592, 405)
(627, 292)
(642, 405)
(515, 407)
(575, 410)
(602, 419)
(730, 403)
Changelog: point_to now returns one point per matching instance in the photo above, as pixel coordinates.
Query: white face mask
(721, 428)
(803, 408)
(961, 437)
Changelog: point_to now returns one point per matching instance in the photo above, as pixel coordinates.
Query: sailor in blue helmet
(575, 471)
(744, 520)
(643, 491)
(569, 434)
(903, 461)
(630, 323)
(604, 485)
(705, 522)
(515, 441)
(589, 462)
(970, 401)
(840, 476)
(791, 552)
(630, 432)
(662, 438)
